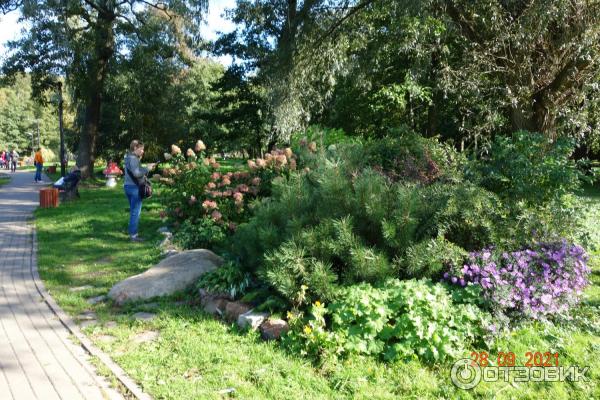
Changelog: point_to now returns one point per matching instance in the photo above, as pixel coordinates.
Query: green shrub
(358, 221)
(201, 198)
(228, 278)
(400, 320)
(297, 276)
(530, 167)
(535, 178)
(203, 233)
(310, 266)
(409, 157)
(431, 258)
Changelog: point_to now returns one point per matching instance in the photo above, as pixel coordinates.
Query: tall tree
(79, 40)
(533, 57)
(267, 41)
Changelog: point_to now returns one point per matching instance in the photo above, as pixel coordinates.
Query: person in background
(2, 159)
(38, 161)
(134, 173)
(14, 159)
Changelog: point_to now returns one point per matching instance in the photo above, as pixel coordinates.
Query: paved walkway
(37, 359)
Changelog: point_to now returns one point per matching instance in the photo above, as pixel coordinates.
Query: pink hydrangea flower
(216, 216)
(200, 146)
(175, 150)
(209, 204)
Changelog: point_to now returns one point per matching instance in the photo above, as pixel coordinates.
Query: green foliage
(531, 168)
(432, 257)
(21, 118)
(298, 277)
(536, 179)
(322, 136)
(353, 221)
(228, 278)
(400, 320)
(202, 233)
(309, 266)
(407, 156)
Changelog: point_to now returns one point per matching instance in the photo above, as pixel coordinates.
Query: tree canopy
(466, 71)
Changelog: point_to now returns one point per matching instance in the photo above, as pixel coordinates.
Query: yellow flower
(307, 329)
(318, 303)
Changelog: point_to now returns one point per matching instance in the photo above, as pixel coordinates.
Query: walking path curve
(37, 358)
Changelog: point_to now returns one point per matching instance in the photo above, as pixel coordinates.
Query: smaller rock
(164, 230)
(80, 288)
(273, 329)
(251, 319)
(165, 243)
(111, 324)
(215, 306)
(226, 391)
(234, 309)
(86, 323)
(96, 300)
(146, 336)
(144, 316)
(86, 316)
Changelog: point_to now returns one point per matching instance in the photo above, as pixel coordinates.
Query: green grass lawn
(197, 357)
(4, 178)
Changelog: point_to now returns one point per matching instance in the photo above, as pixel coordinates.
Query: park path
(37, 358)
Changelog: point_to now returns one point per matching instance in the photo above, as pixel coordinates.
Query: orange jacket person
(38, 161)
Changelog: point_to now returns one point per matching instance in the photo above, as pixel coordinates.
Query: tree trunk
(104, 51)
(534, 117)
(519, 119)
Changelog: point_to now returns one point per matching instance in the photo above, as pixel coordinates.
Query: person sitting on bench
(69, 184)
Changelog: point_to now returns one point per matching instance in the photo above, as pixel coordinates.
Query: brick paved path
(37, 359)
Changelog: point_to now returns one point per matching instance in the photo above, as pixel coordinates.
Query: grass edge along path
(184, 353)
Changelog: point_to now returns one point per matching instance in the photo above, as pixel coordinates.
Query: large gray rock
(171, 275)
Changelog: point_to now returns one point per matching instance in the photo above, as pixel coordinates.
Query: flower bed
(530, 283)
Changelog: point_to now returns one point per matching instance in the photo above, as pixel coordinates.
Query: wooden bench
(70, 187)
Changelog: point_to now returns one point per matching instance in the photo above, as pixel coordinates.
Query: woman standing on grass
(134, 174)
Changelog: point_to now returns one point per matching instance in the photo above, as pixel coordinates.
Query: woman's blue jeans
(135, 208)
(38, 172)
